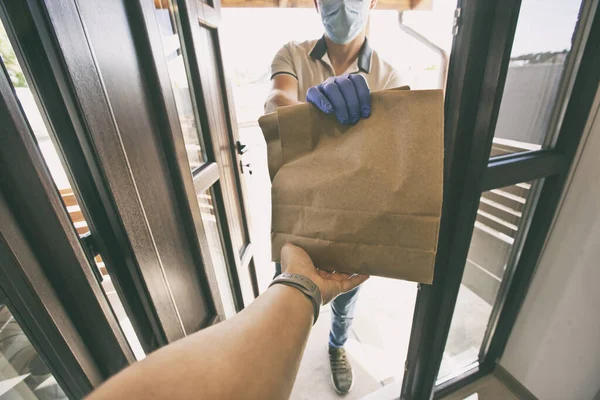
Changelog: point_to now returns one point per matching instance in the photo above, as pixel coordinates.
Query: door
(522, 79)
(184, 42)
(196, 25)
(152, 198)
(155, 173)
(161, 75)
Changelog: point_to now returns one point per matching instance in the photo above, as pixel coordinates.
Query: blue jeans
(342, 314)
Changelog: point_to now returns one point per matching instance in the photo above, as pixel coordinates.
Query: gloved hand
(348, 96)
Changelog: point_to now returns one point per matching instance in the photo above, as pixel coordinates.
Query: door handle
(241, 148)
(90, 248)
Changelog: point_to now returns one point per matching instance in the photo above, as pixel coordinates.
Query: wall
(554, 348)
(526, 107)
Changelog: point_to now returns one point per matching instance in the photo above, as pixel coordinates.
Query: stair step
(489, 249)
(505, 199)
(483, 283)
(500, 211)
(520, 189)
(497, 223)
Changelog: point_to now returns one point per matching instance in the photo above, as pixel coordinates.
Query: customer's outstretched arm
(254, 355)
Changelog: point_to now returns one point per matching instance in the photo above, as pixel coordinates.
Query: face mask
(344, 19)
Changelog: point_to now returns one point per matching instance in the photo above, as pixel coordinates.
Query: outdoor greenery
(10, 60)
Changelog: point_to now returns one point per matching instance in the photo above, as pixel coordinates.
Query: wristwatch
(303, 284)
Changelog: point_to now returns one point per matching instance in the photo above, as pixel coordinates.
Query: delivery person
(336, 74)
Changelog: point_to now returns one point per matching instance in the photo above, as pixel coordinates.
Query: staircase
(498, 221)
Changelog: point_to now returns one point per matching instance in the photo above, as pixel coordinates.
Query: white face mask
(344, 19)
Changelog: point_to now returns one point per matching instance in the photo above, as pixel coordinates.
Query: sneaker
(342, 376)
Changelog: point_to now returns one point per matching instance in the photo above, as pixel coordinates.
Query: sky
(545, 25)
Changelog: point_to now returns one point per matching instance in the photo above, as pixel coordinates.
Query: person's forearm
(254, 355)
(279, 98)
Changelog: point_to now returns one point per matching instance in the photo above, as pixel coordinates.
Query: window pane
(61, 180)
(501, 221)
(213, 236)
(167, 23)
(23, 373)
(531, 99)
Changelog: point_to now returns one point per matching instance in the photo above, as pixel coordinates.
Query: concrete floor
(377, 345)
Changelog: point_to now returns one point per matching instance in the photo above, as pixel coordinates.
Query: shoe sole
(340, 392)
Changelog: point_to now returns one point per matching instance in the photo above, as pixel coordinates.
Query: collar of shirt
(362, 63)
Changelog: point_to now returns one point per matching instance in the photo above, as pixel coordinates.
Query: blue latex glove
(348, 96)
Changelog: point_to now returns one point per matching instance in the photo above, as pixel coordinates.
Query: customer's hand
(295, 260)
(348, 96)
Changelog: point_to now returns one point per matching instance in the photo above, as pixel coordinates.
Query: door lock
(90, 248)
(246, 167)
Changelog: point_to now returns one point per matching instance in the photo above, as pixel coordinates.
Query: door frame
(477, 74)
(196, 15)
(45, 268)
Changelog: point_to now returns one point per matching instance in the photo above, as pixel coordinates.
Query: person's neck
(343, 55)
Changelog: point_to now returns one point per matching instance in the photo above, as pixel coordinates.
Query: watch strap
(305, 285)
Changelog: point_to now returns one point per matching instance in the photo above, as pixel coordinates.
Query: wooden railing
(79, 222)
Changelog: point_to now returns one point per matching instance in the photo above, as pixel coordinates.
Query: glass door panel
(202, 124)
(215, 243)
(502, 222)
(537, 81)
(23, 373)
(169, 30)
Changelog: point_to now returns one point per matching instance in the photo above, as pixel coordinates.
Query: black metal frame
(482, 51)
(576, 116)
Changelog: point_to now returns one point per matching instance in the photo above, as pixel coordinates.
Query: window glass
(23, 373)
(167, 24)
(501, 221)
(213, 236)
(531, 100)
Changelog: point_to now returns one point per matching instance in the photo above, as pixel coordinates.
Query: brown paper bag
(363, 198)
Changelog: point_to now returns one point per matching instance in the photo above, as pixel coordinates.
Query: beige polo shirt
(309, 63)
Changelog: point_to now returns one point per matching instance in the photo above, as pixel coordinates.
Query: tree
(10, 60)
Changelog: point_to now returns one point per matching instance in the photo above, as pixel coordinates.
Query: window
(168, 26)
(215, 244)
(502, 220)
(537, 77)
(23, 373)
